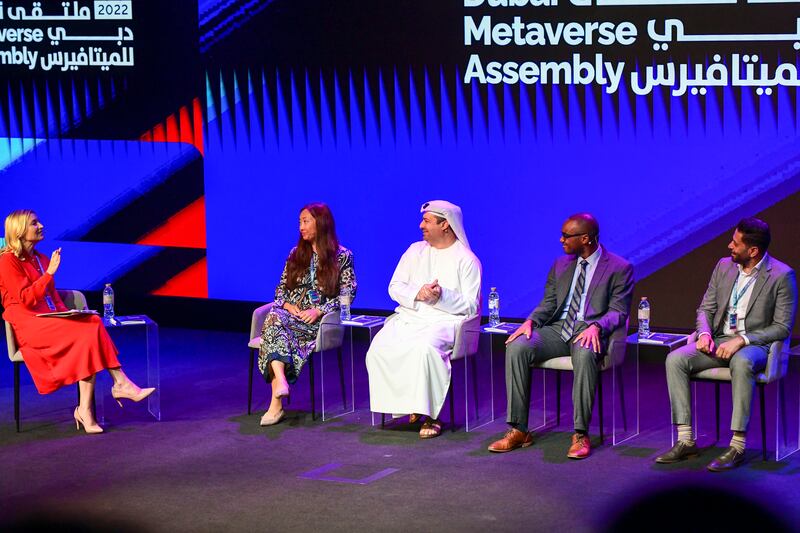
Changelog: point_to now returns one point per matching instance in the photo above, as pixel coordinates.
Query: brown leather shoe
(580, 448)
(512, 440)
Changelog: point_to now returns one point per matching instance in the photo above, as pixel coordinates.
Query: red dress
(57, 351)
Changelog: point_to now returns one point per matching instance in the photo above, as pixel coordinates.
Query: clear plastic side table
(153, 367)
(478, 384)
(336, 372)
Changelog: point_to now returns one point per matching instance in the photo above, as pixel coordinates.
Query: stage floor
(208, 466)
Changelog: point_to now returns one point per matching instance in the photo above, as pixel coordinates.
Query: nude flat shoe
(271, 420)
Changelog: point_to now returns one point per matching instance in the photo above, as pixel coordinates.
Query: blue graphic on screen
(660, 182)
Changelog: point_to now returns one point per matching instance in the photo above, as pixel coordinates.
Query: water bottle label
(644, 314)
(108, 299)
(494, 304)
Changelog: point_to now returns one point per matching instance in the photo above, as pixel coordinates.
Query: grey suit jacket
(772, 307)
(608, 299)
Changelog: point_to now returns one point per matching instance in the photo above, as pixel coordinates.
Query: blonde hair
(16, 225)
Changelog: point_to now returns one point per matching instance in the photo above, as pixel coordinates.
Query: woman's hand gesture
(55, 261)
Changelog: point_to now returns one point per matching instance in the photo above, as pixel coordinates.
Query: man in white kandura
(437, 284)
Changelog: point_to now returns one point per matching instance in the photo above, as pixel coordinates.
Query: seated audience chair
(465, 346)
(776, 369)
(73, 300)
(329, 337)
(612, 360)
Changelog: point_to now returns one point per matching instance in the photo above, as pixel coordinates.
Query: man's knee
(583, 358)
(678, 361)
(742, 363)
(519, 350)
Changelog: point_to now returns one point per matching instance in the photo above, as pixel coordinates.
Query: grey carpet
(207, 466)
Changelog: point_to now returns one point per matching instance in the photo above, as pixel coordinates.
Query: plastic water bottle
(108, 302)
(494, 307)
(344, 304)
(644, 318)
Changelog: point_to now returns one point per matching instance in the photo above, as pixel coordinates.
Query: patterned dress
(288, 339)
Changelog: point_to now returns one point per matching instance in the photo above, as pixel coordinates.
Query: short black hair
(588, 224)
(755, 232)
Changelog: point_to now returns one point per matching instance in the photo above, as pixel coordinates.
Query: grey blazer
(772, 307)
(608, 299)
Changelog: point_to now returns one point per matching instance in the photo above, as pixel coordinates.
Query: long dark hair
(327, 250)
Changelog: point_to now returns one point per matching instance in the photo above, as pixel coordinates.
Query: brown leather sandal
(434, 426)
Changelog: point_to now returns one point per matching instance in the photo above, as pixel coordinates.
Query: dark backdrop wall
(181, 173)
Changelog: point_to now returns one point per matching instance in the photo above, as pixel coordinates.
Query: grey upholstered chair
(329, 337)
(612, 360)
(465, 346)
(73, 300)
(776, 368)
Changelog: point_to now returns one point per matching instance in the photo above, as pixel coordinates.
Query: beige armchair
(465, 345)
(612, 360)
(776, 369)
(73, 300)
(329, 337)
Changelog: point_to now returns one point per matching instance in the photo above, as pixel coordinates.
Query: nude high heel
(129, 391)
(92, 430)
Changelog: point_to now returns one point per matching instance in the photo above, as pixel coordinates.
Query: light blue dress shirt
(590, 268)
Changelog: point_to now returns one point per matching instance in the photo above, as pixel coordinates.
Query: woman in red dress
(57, 351)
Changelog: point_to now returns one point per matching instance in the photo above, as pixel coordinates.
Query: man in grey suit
(750, 302)
(586, 297)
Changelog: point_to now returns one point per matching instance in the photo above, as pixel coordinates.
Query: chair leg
(716, 407)
(250, 380)
(622, 398)
(341, 376)
(474, 364)
(311, 382)
(692, 398)
(762, 405)
(16, 394)
(782, 411)
(600, 404)
(453, 404)
(558, 397)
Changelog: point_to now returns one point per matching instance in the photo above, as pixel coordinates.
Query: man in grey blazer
(750, 302)
(586, 297)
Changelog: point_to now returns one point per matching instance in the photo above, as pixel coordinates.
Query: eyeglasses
(566, 236)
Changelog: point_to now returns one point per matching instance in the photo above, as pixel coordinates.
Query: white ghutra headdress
(451, 213)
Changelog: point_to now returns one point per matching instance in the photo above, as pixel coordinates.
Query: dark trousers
(546, 343)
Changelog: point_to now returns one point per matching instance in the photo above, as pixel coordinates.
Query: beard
(738, 259)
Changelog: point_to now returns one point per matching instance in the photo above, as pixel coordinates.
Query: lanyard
(47, 298)
(313, 293)
(738, 296)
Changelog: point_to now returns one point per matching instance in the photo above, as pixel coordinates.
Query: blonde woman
(57, 351)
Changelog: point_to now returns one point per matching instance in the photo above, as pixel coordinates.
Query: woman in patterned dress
(317, 271)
